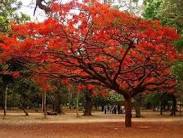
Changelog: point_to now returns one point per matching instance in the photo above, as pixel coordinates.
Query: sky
(28, 8)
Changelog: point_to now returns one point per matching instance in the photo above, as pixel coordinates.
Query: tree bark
(77, 105)
(174, 105)
(88, 104)
(137, 111)
(5, 100)
(44, 104)
(137, 105)
(57, 104)
(26, 113)
(161, 108)
(57, 108)
(128, 112)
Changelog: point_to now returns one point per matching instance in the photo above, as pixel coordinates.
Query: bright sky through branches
(29, 5)
(28, 8)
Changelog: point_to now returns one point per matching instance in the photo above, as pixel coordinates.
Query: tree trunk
(77, 105)
(5, 101)
(26, 113)
(57, 108)
(161, 108)
(137, 111)
(57, 104)
(174, 105)
(88, 104)
(180, 108)
(96, 107)
(44, 104)
(70, 100)
(128, 112)
(102, 108)
(137, 105)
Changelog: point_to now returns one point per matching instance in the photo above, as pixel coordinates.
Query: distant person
(119, 109)
(114, 109)
(123, 109)
(105, 109)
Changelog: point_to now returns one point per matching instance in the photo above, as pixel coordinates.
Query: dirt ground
(93, 130)
(97, 126)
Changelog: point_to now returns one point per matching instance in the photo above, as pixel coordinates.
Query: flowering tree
(93, 43)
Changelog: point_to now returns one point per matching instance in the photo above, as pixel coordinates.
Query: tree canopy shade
(93, 43)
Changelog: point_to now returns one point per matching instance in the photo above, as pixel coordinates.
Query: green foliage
(178, 70)
(158, 99)
(22, 92)
(114, 97)
(4, 24)
(59, 94)
(179, 45)
(173, 11)
(169, 12)
(152, 8)
(27, 92)
(153, 99)
(8, 13)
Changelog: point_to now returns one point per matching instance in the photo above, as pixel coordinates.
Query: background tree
(8, 13)
(27, 94)
(58, 96)
(169, 12)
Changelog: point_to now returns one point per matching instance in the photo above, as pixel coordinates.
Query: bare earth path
(97, 126)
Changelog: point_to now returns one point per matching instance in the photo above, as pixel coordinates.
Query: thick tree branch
(39, 3)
